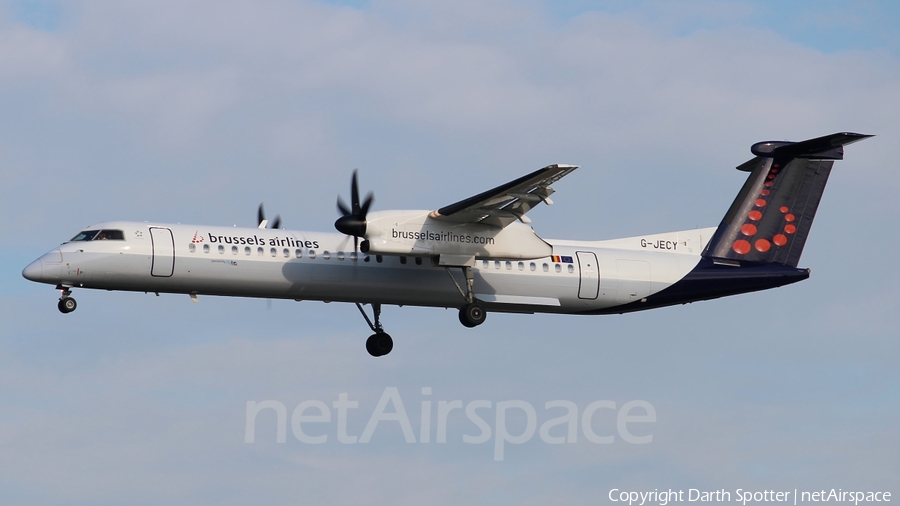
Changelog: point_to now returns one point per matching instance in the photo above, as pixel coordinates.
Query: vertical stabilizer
(770, 219)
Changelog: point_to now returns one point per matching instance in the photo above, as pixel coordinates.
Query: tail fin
(770, 219)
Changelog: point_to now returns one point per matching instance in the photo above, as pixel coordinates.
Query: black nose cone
(351, 225)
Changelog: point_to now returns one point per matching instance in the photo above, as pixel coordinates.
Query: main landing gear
(66, 303)
(379, 343)
(471, 314)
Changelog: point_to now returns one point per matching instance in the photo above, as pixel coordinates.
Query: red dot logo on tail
(741, 247)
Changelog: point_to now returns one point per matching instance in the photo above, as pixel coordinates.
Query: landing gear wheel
(66, 305)
(472, 315)
(379, 344)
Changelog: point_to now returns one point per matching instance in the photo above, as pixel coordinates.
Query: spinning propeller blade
(263, 222)
(353, 219)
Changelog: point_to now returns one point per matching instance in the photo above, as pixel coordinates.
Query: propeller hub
(351, 225)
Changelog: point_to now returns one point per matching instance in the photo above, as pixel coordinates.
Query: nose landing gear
(66, 303)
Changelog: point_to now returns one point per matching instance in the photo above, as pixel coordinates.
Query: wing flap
(508, 202)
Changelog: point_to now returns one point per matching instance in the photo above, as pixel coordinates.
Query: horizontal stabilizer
(829, 147)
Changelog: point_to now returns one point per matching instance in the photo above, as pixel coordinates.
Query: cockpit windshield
(85, 235)
(99, 235)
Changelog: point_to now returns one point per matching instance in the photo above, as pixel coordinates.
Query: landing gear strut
(379, 343)
(471, 314)
(66, 303)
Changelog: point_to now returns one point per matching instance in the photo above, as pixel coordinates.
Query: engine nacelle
(414, 233)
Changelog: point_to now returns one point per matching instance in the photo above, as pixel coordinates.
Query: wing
(506, 203)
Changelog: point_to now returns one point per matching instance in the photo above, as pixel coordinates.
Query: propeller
(353, 218)
(263, 222)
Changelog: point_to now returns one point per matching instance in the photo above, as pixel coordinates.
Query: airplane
(478, 255)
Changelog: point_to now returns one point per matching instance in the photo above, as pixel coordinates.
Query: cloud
(27, 55)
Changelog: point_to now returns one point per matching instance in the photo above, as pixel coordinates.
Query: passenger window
(532, 266)
(247, 250)
(259, 251)
(485, 264)
(353, 256)
(273, 252)
(508, 265)
(496, 264)
(379, 258)
(418, 260)
(298, 253)
(221, 249)
(366, 258)
(340, 255)
(326, 255)
(192, 247)
(403, 260)
(312, 254)
(521, 266)
(546, 268)
(558, 268)
(286, 253)
(206, 248)
(571, 268)
(234, 250)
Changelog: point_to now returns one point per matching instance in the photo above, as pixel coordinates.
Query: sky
(195, 112)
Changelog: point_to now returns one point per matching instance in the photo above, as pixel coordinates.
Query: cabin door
(589, 272)
(162, 264)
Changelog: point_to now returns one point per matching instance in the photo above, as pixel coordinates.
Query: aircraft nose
(34, 270)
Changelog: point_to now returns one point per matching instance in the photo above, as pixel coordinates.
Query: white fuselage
(252, 262)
